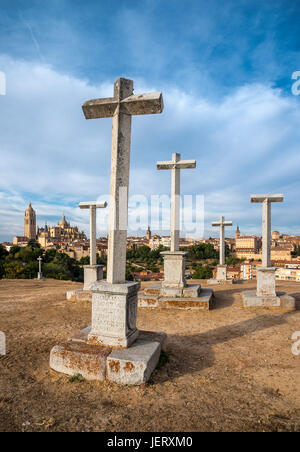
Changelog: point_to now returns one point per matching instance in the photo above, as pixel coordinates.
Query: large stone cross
(93, 229)
(176, 164)
(266, 224)
(222, 223)
(121, 107)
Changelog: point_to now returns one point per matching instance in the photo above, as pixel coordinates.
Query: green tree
(33, 243)
(203, 272)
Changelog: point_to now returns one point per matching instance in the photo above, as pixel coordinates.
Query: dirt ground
(230, 369)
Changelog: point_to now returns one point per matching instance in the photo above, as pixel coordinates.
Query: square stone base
(40, 276)
(221, 272)
(266, 282)
(114, 312)
(280, 300)
(130, 366)
(2, 344)
(213, 282)
(174, 269)
(92, 273)
(191, 297)
(79, 295)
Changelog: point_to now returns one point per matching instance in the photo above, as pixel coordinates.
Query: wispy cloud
(246, 142)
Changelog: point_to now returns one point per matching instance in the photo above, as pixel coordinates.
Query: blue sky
(225, 70)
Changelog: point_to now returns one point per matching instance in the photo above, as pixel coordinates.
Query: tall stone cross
(121, 107)
(93, 229)
(176, 164)
(222, 223)
(266, 224)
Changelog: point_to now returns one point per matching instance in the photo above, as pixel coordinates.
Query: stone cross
(40, 264)
(176, 164)
(93, 229)
(222, 225)
(266, 224)
(121, 107)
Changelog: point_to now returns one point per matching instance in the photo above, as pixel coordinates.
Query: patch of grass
(163, 360)
(77, 378)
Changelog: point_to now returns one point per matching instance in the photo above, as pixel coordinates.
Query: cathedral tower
(30, 223)
(237, 233)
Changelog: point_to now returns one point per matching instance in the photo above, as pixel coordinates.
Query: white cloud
(244, 143)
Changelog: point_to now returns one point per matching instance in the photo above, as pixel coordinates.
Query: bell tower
(30, 223)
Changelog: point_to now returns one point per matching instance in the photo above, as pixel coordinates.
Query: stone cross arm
(135, 104)
(180, 164)
(98, 205)
(222, 222)
(267, 197)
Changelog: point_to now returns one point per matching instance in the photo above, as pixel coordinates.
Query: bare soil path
(230, 369)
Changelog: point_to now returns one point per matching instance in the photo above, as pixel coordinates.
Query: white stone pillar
(222, 242)
(119, 183)
(175, 205)
(266, 234)
(93, 245)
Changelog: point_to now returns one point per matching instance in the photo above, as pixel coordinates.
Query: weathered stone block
(154, 336)
(114, 312)
(74, 358)
(133, 365)
(192, 291)
(281, 300)
(222, 272)
(148, 301)
(92, 273)
(174, 269)
(154, 289)
(266, 282)
(79, 295)
(203, 302)
(2, 344)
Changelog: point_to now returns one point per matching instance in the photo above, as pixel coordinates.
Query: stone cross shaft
(40, 264)
(266, 224)
(222, 223)
(93, 228)
(176, 164)
(121, 107)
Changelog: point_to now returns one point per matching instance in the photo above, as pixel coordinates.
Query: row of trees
(21, 263)
(205, 251)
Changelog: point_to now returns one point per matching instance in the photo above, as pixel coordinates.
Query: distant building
(247, 246)
(30, 223)
(237, 232)
(148, 233)
(63, 232)
(20, 241)
(275, 235)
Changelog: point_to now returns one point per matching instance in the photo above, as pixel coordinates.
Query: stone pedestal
(222, 272)
(114, 314)
(92, 273)
(266, 295)
(266, 282)
(174, 272)
(40, 275)
(2, 344)
(111, 348)
(221, 276)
